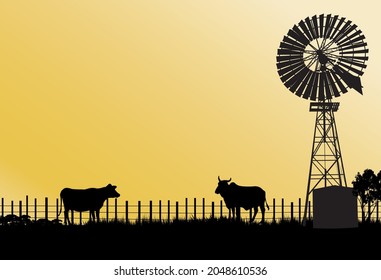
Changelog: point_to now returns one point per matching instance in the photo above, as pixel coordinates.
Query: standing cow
(236, 196)
(91, 199)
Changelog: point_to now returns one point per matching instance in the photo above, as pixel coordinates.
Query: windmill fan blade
(287, 46)
(343, 88)
(350, 68)
(343, 31)
(354, 46)
(311, 28)
(282, 58)
(354, 51)
(321, 25)
(303, 85)
(321, 95)
(290, 67)
(327, 25)
(331, 26)
(292, 42)
(338, 26)
(352, 81)
(301, 35)
(332, 85)
(325, 84)
(315, 26)
(305, 30)
(290, 74)
(351, 39)
(293, 34)
(290, 52)
(298, 78)
(286, 63)
(314, 88)
(311, 89)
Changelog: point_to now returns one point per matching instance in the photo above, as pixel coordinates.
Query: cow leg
(238, 213)
(255, 214)
(66, 217)
(93, 216)
(263, 213)
(97, 215)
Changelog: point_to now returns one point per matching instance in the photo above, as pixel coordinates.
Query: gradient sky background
(161, 97)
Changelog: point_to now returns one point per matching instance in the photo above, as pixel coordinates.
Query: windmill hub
(321, 55)
(323, 59)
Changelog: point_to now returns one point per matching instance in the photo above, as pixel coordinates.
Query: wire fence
(164, 211)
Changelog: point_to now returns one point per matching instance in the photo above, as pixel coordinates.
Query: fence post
(139, 211)
(377, 211)
(299, 209)
(212, 209)
(26, 206)
(11, 207)
(203, 208)
(150, 211)
(177, 210)
(80, 217)
(292, 211)
(46, 209)
(160, 211)
(282, 209)
(220, 208)
(116, 210)
(309, 210)
(2, 206)
(194, 209)
(35, 209)
(186, 209)
(169, 211)
(274, 211)
(20, 208)
(126, 210)
(57, 209)
(107, 210)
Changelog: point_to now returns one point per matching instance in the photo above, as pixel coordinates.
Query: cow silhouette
(81, 200)
(236, 196)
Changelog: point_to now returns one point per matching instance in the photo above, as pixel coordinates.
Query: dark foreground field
(189, 240)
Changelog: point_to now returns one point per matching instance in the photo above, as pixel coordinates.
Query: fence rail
(114, 210)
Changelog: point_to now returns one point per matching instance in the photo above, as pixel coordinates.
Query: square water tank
(334, 207)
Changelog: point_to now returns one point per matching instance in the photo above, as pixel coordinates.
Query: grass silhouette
(209, 238)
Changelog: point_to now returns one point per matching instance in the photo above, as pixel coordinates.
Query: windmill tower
(319, 59)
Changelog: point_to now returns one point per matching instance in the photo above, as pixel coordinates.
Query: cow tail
(60, 206)
(268, 208)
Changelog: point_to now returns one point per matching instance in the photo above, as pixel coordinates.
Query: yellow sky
(161, 97)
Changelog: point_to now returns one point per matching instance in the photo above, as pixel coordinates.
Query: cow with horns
(90, 199)
(236, 196)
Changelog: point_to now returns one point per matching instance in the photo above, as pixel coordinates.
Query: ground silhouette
(189, 240)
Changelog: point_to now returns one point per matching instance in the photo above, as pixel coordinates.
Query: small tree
(367, 188)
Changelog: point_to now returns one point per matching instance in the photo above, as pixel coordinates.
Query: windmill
(319, 59)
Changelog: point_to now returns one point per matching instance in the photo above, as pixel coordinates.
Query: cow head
(111, 192)
(222, 184)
